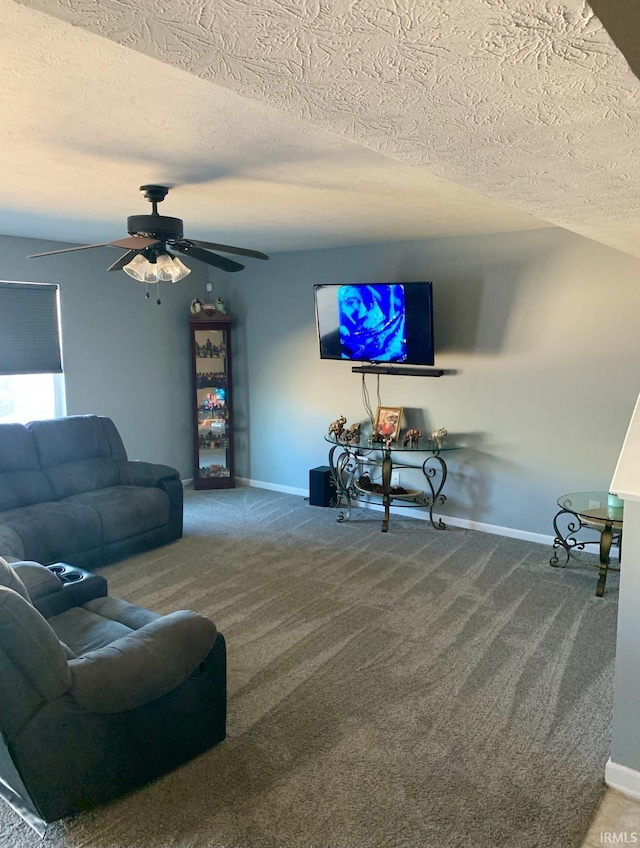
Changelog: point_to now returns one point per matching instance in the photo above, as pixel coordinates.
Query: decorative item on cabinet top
(200, 309)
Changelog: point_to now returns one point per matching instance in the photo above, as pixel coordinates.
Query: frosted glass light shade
(182, 269)
(164, 269)
(137, 267)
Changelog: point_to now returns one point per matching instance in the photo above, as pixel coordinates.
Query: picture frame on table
(387, 422)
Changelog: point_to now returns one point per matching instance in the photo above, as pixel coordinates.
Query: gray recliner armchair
(98, 696)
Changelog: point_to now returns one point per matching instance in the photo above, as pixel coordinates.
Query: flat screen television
(375, 322)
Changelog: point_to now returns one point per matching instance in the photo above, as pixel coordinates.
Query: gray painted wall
(541, 328)
(124, 356)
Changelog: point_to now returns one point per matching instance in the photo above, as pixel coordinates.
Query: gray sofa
(69, 493)
(99, 696)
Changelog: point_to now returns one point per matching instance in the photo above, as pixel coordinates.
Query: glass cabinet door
(213, 437)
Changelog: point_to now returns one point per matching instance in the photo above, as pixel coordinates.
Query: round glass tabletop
(594, 506)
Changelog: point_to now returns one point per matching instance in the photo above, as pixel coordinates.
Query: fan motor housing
(155, 226)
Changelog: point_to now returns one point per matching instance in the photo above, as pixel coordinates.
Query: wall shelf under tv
(398, 369)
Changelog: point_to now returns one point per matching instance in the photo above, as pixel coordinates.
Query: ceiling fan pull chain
(146, 285)
(158, 301)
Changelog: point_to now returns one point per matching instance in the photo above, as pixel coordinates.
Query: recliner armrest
(144, 665)
(38, 579)
(139, 473)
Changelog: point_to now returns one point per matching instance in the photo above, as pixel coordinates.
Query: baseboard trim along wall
(622, 778)
(422, 514)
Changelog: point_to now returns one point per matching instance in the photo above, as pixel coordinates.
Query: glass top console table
(362, 471)
(599, 511)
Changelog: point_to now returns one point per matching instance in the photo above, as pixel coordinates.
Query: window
(30, 397)
(31, 383)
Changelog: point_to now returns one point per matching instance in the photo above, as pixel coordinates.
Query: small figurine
(336, 428)
(196, 306)
(437, 437)
(352, 434)
(376, 435)
(220, 305)
(411, 438)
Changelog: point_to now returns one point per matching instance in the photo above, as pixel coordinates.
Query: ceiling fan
(154, 242)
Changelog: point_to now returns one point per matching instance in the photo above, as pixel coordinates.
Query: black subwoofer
(322, 490)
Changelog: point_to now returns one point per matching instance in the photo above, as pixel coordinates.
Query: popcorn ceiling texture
(524, 101)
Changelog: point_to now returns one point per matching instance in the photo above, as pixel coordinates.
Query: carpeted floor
(416, 688)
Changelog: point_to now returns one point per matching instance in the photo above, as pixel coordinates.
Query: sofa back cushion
(22, 482)
(79, 453)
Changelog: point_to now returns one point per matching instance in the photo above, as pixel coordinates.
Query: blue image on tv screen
(372, 322)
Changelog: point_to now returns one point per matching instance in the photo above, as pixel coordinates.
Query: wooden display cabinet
(213, 466)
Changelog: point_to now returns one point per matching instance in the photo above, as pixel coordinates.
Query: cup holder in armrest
(66, 573)
(71, 577)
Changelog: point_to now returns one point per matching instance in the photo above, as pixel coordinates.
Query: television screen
(375, 322)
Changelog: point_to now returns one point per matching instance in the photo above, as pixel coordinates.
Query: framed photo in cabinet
(212, 396)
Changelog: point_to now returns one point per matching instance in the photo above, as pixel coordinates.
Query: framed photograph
(388, 421)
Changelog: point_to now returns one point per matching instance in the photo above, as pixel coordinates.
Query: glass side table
(349, 461)
(597, 511)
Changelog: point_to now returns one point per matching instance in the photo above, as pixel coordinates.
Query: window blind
(29, 329)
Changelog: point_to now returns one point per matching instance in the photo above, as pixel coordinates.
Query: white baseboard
(275, 487)
(187, 482)
(622, 778)
(422, 514)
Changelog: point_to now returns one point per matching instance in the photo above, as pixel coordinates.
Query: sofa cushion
(53, 532)
(11, 544)
(10, 579)
(29, 642)
(38, 580)
(77, 453)
(118, 610)
(21, 480)
(85, 475)
(126, 510)
(83, 630)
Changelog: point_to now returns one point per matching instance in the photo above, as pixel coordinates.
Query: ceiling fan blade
(210, 258)
(226, 248)
(66, 250)
(119, 264)
(134, 242)
(131, 243)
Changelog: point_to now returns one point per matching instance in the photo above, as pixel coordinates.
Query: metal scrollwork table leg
(436, 475)
(567, 541)
(342, 471)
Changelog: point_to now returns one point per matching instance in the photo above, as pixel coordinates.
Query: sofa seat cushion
(83, 630)
(53, 532)
(126, 511)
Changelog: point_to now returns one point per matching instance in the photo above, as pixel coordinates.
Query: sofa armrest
(144, 665)
(38, 580)
(138, 473)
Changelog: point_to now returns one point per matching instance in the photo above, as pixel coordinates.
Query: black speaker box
(322, 490)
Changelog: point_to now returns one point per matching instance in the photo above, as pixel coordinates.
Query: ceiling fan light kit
(162, 268)
(154, 241)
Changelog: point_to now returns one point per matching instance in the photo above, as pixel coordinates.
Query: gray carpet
(419, 688)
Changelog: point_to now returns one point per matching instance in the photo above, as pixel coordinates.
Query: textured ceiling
(309, 124)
